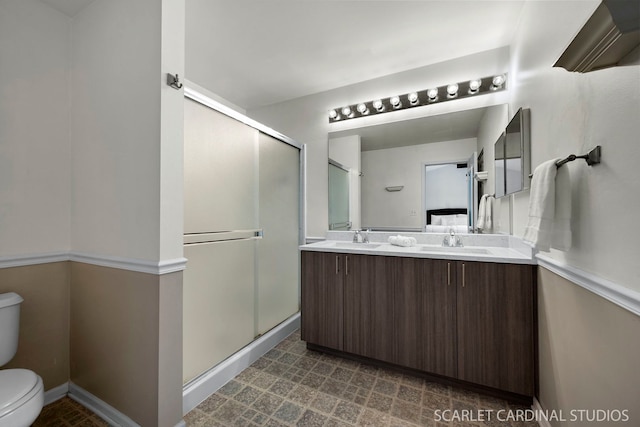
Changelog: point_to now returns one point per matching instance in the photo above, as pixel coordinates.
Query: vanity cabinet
(466, 320)
(425, 314)
(496, 325)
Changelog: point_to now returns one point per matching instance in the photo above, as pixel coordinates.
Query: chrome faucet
(452, 240)
(357, 237)
(365, 235)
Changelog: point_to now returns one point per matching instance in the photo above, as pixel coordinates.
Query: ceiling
(256, 53)
(444, 127)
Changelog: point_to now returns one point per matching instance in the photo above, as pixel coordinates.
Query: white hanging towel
(481, 212)
(562, 220)
(488, 213)
(542, 206)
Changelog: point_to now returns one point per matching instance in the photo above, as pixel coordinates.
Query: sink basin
(454, 249)
(348, 245)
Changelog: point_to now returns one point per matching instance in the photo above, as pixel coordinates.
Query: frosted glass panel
(220, 155)
(218, 294)
(338, 198)
(277, 291)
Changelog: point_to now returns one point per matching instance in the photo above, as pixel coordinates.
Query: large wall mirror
(401, 172)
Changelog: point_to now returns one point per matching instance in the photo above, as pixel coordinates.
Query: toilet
(21, 390)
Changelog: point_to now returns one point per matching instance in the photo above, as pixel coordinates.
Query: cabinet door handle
(463, 274)
(346, 265)
(337, 264)
(448, 274)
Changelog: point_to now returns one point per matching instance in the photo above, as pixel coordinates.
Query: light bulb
(378, 105)
(362, 108)
(395, 101)
(452, 90)
(333, 114)
(413, 97)
(474, 85)
(432, 94)
(346, 111)
(498, 81)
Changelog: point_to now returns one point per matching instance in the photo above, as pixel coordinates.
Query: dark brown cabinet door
(368, 307)
(425, 314)
(496, 329)
(322, 298)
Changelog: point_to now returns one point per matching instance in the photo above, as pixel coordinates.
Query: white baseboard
(56, 393)
(99, 407)
(208, 383)
(538, 409)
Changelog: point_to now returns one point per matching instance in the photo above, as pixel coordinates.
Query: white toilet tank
(9, 325)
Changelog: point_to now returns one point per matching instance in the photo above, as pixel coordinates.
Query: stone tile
(230, 388)
(302, 394)
(273, 354)
(267, 403)
(333, 387)
(436, 388)
(264, 380)
(363, 380)
(324, 403)
(386, 387)
(435, 401)
(305, 363)
(193, 418)
(274, 423)
(406, 411)
(212, 403)
(228, 412)
(336, 423)
(371, 418)
(261, 363)
(379, 402)
(282, 387)
(248, 395)
(288, 412)
(276, 368)
(368, 369)
(248, 375)
(410, 394)
(312, 419)
(313, 380)
(342, 374)
(348, 412)
(288, 359)
(322, 368)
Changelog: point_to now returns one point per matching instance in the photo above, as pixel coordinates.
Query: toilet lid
(14, 385)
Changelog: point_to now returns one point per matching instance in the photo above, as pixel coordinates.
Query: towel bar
(592, 158)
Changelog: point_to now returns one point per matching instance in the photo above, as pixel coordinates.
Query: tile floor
(293, 386)
(67, 412)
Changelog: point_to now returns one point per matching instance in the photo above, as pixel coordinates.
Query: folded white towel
(562, 219)
(402, 240)
(542, 206)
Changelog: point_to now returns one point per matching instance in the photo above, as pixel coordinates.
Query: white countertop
(484, 248)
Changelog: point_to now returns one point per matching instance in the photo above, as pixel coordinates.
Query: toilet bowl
(21, 390)
(21, 397)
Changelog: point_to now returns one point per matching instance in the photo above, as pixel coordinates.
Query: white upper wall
(572, 113)
(126, 130)
(35, 168)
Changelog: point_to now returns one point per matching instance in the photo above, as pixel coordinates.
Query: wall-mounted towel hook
(174, 81)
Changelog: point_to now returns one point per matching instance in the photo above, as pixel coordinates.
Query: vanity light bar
(430, 96)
